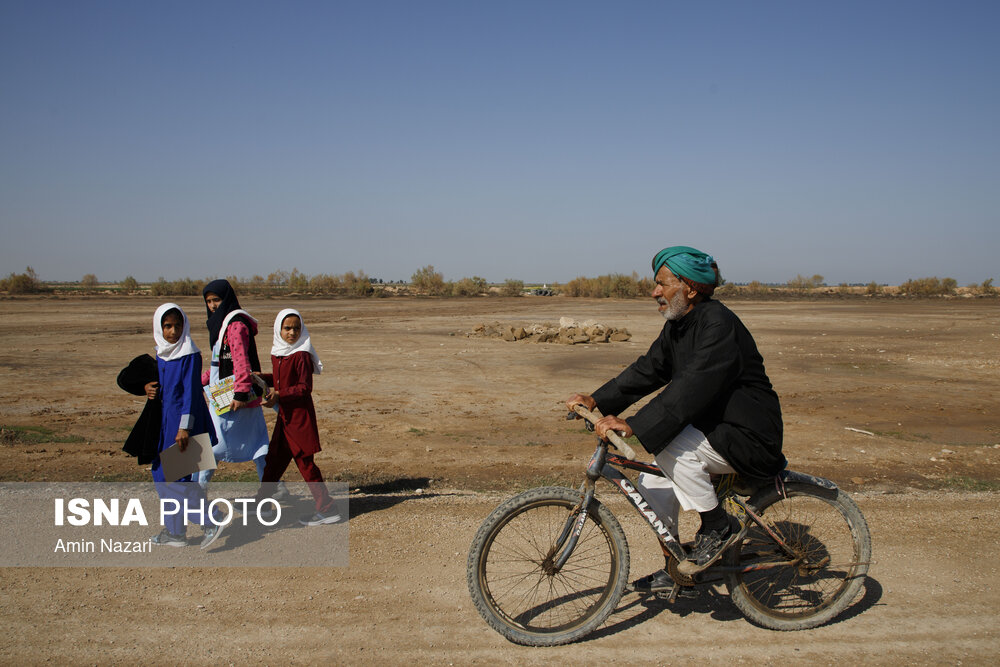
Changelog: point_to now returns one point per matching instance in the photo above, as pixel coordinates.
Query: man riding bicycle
(717, 413)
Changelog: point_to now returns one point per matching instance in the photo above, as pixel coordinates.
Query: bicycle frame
(603, 465)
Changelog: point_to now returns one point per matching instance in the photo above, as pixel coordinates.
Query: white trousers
(688, 462)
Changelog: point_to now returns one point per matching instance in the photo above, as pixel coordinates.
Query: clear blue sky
(540, 139)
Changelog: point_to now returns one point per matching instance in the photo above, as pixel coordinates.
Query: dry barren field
(409, 401)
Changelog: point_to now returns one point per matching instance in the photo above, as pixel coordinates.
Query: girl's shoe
(268, 513)
(168, 539)
(281, 491)
(319, 519)
(212, 533)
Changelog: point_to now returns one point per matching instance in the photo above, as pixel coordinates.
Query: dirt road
(431, 408)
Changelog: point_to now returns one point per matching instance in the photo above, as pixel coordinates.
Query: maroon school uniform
(296, 435)
(295, 427)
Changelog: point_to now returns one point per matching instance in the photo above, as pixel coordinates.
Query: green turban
(687, 263)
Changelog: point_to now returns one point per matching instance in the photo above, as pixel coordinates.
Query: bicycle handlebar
(613, 436)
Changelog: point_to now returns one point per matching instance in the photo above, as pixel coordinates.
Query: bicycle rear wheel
(830, 550)
(510, 574)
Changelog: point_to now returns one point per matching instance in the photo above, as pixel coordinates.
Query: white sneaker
(319, 519)
(167, 539)
(212, 533)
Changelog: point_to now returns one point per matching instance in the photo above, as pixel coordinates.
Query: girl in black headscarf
(241, 429)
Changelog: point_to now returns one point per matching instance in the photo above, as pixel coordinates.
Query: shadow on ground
(638, 609)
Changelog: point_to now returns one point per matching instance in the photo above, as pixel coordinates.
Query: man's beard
(676, 307)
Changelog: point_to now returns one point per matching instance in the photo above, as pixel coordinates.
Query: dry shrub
(357, 284)
(21, 283)
(512, 287)
(428, 281)
(933, 286)
(614, 285)
(324, 283)
(984, 288)
(801, 283)
(182, 287)
(473, 286)
(297, 281)
(755, 288)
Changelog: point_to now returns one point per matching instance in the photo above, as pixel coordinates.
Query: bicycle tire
(828, 532)
(512, 591)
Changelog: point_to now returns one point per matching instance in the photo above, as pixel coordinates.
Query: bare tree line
(427, 281)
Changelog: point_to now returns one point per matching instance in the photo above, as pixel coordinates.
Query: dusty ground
(471, 421)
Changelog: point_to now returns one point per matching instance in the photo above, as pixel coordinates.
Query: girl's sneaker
(168, 539)
(268, 513)
(319, 519)
(212, 533)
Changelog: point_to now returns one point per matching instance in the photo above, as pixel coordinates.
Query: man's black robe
(715, 381)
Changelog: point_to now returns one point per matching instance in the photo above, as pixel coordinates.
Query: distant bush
(801, 283)
(89, 282)
(298, 282)
(755, 288)
(728, 289)
(357, 285)
(130, 284)
(614, 285)
(928, 286)
(512, 287)
(873, 289)
(182, 287)
(277, 278)
(428, 281)
(985, 288)
(473, 286)
(324, 283)
(254, 285)
(21, 283)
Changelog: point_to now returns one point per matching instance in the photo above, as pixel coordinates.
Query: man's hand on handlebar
(586, 400)
(612, 423)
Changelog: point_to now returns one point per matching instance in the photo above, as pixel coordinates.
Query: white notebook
(197, 456)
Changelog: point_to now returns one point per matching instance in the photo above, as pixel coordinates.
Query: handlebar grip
(613, 437)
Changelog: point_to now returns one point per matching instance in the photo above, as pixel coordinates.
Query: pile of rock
(568, 332)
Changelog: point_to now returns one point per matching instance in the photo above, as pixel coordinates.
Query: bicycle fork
(563, 548)
(564, 545)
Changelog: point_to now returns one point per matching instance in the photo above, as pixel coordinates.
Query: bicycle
(548, 566)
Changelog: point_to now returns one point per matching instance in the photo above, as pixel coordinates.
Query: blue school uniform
(179, 368)
(183, 407)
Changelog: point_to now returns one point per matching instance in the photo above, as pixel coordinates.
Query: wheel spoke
(515, 575)
(825, 543)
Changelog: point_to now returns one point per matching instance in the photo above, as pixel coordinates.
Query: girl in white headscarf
(185, 414)
(296, 435)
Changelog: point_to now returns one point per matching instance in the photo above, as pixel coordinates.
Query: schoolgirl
(296, 435)
(184, 414)
(242, 430)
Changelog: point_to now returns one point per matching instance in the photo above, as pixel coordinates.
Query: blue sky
(537, 140)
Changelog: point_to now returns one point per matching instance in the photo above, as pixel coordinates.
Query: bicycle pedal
(677, 591)
(671, 595)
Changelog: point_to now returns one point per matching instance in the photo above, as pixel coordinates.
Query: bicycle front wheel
(511, 577)
(818, 574)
